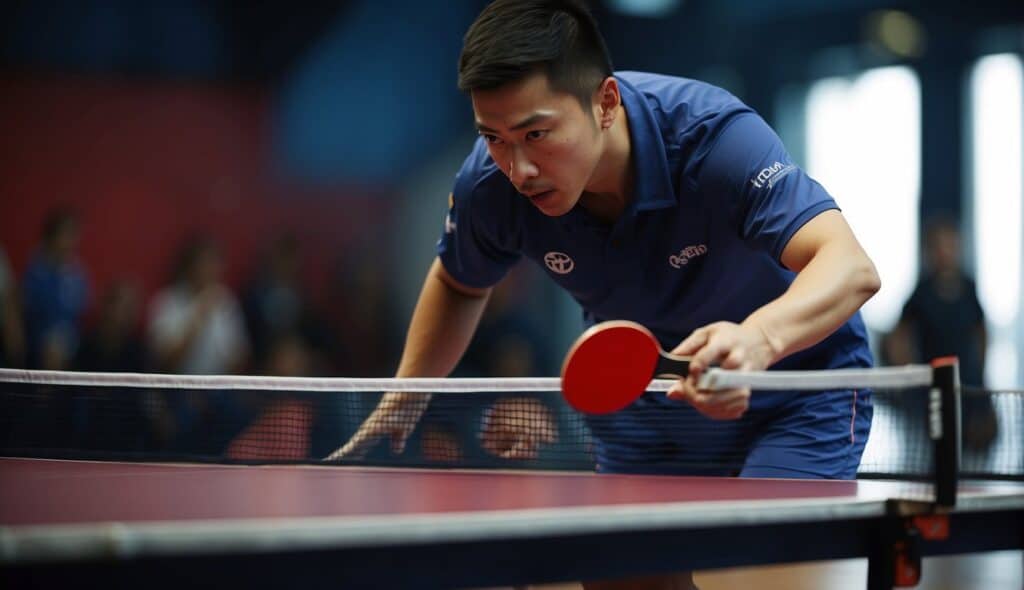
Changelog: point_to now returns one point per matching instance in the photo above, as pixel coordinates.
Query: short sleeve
(481, 238)
(165, 318)
(977, 312)
(236, 338)
(768, 196)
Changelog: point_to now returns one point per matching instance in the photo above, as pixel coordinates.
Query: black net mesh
(505, 430)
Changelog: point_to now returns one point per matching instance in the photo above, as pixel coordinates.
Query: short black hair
(56, 222)
(193, 248)
(512, 39)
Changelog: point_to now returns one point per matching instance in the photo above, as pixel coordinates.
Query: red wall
(148, 163)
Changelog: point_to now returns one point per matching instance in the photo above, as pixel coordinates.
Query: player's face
(544, 141)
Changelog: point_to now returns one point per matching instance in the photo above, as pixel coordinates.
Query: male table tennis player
(661, 200)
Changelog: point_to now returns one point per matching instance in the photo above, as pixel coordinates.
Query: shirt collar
(652, 188)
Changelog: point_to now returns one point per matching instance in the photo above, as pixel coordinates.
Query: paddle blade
(609, 366)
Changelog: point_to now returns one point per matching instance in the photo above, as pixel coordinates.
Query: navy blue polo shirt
(715, 201)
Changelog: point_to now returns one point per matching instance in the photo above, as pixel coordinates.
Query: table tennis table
(168, 525)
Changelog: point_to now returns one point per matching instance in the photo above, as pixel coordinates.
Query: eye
(491, 138)
(536, 134)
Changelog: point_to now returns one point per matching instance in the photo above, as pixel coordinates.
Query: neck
(947, 278)
(611, 187)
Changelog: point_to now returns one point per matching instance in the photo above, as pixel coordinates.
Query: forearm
(825, 293)
(173, 354)
(442, 326)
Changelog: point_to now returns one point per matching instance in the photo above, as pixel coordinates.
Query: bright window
(997, 96)
(864, 145)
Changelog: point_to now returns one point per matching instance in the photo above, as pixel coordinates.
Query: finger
(369, 433)
(713, 402)
(525, 448)
(736, 358)
(692, 343)
(356, 447)
(733, 411)
(549, 432)
(726, 407)
(680, 391)
(721, 398)
(709, 354)
(400, 436)
(496, 440)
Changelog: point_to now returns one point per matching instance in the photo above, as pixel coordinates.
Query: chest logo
(686, 255)
(559, 263)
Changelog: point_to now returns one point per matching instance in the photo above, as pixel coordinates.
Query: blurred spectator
(55, 295)
(196, 324)
(12, 346)
(277, 307)
(196, 327)
(363, 317)
(111, 418)
(943, 317)
(114, 344)
(283, 426)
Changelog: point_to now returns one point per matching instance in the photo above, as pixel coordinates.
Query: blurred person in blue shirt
(55, 294)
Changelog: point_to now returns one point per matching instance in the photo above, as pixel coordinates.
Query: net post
(944, 428)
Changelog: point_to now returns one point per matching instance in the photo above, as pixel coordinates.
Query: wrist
(773, 342)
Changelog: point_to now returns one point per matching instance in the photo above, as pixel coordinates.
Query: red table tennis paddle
(610, 365)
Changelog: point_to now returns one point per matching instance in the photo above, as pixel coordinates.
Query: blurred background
(284, 169)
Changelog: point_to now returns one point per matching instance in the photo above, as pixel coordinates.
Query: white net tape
(895, 377)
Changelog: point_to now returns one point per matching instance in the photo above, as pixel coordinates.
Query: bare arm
(443, 323)
(446, 316)
(899, 344)
(834, 279)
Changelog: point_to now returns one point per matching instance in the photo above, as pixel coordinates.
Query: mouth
(541, 197)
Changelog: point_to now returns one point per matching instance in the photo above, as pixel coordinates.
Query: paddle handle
(670, 365)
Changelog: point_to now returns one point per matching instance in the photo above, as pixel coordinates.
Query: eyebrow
(531, 120)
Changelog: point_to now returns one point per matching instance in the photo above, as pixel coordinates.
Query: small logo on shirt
(449, 225)
(559, 263)
(686, 255)
(772, 174)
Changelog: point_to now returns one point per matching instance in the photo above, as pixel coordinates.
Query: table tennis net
(469, 424)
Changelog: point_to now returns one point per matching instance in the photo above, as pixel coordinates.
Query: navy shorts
(806, 435)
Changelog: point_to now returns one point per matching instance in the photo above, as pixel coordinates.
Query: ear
(607, 102)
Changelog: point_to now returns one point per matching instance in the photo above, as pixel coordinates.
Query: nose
(521, 169)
